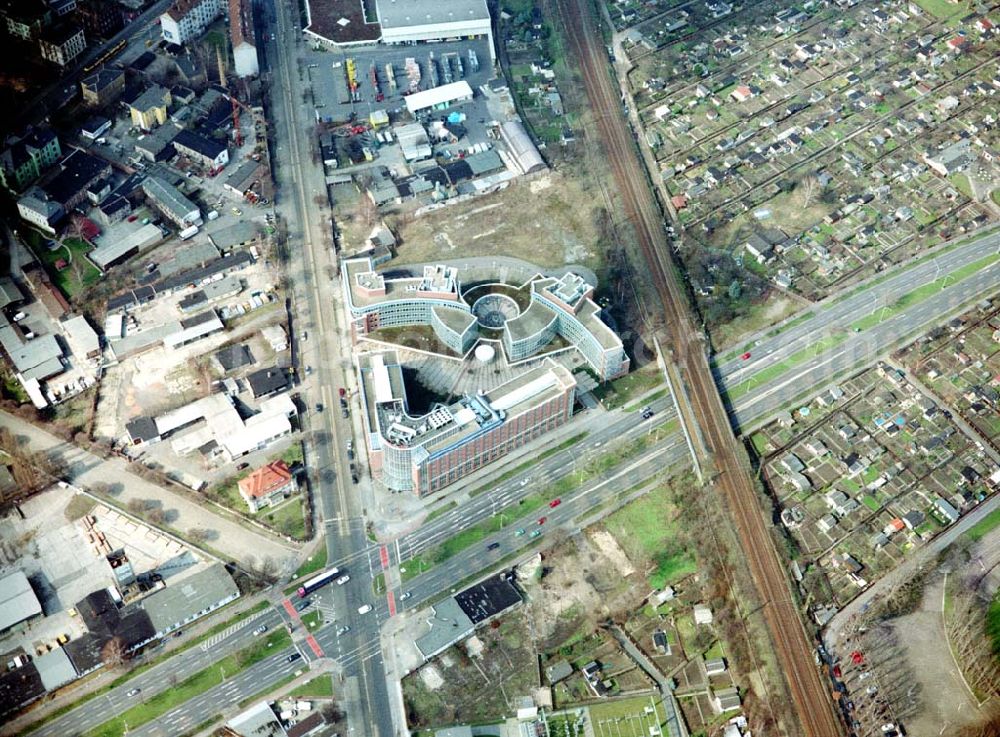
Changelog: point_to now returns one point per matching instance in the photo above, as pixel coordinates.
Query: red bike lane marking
(391, 598)
(317, 650)
(290, 608)
(384, 556)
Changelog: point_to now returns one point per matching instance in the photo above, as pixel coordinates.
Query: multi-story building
(62, 43)
(564, 307)
(103, 86)
(426, 453)
(150, 108)
(169, 200)
(36, 207)
(186, 20)
(541, 310)
(61, 8)
(68, 186)
(25, 20)
(433, 299)
(100, 18)
(210, 153)
(241, 34)
(24, 159)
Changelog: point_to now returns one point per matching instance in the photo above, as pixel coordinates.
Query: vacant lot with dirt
(551, 221)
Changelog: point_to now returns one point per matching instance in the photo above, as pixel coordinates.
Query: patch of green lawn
(289, 519)
(647, 530)
(313, 563)
(984, 526)
(942, 8)
(318, 688)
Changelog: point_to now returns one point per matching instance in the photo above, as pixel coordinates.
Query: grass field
(318, 688)
(648, 532)
(289, 518)
(313, 563)
(187, 689)
(986, 525)
(993, 625)
(78, 272)
(942, 8)
(619, 392)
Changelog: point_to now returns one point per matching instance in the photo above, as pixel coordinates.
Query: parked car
(241, 466)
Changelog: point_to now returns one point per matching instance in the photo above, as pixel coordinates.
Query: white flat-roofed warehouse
(17, 600)
(439, 97)
(412, 21)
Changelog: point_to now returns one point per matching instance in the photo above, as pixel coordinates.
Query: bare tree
(114, 654)
(808, 188)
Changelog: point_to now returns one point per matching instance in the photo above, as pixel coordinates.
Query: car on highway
(493, 546)
(342, 392)
(519, 532)
(342, 630)
(342, 580)
(134, 692)
(319, 407)
(647, 414)
(535, 533)
(555, 503)
(309, 370)
(293, 657)
(364, 609)
(303, 604)
(541, 520)
(350, 445)
(745, 356)
(260, 630)
(407, 595)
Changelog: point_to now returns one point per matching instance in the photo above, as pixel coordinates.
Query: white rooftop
(438, 96)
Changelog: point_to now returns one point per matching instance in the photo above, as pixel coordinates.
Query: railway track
(794, 652)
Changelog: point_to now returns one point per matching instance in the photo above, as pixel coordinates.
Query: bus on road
(317, 582)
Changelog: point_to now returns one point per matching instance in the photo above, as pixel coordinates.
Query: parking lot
(328, 75)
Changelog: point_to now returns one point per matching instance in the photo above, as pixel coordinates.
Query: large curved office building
(549, 308)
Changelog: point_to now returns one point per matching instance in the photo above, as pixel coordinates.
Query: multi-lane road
(301, 184)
